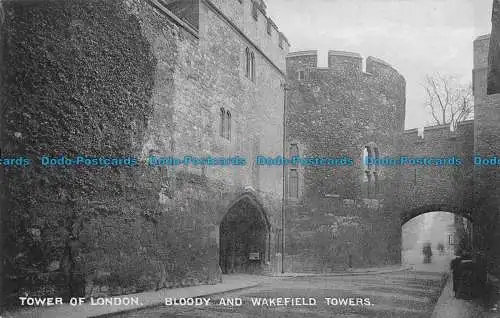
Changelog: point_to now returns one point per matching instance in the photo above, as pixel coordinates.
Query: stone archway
(244, 237)
(447, 226)
(410, 214)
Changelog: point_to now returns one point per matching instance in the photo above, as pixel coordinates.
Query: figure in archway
(427, 251)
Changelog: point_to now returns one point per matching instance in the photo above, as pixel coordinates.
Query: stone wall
(486, 180)
(2, 183)
(124, 78)
(486, 132)
(494, 53)
(433, 188)
(336, 112)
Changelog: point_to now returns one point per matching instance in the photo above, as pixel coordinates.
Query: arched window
(222, 121)
(293, 187)
(247, 59)
(228, 125)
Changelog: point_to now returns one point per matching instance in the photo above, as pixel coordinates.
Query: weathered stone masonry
(122, 78)
(151, 77)
(486, 132)
(335, 112)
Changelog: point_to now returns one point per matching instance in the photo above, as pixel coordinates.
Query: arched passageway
(407, 215)
(244, 238)
(437, 234)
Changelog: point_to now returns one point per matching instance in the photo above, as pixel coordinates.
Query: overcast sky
(417, 37)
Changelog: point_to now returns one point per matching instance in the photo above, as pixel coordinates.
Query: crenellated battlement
(438, 131)
(345, 85)
(343, 61)
(302, 66)
(247, 17)
(250, 17)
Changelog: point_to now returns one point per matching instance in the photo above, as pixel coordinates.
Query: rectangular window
(294, 183)
(294, 150)
(228, 123)
(301, 75)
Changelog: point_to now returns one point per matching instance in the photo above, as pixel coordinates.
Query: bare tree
(448, 101)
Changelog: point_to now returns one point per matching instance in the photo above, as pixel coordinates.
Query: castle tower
(343, 112)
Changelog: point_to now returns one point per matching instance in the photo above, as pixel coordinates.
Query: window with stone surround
(250, 64)
(293, 176)
(293, 186)
(294, 150)
(225, 123)
(247, 60)
(222, 122)
(301, 75)
(371, 173)
(228, 125)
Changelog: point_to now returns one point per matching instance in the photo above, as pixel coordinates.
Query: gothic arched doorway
(244, 238)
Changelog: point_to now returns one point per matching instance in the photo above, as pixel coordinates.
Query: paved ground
(400, 294)
(86, 309)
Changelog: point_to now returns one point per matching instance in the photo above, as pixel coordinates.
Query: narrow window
(228, 125)
(247, 59)
(294, 183)
(370, 155)
(301, 75)
(294, 151)
(252, 64)
(222, 121)
(269, 27)
(368, 186)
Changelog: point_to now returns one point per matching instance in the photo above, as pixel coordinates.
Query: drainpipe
(283, 199)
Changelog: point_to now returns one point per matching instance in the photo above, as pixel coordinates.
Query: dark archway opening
(244, 238)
